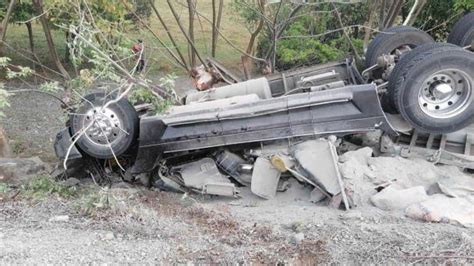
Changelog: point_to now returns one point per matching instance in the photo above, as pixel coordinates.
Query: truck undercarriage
(307, 104)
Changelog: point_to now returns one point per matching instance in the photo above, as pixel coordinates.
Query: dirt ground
(143, 226)
(137, 225)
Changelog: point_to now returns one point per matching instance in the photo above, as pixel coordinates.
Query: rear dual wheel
(395, 41)
(433, 91)
(462, 33)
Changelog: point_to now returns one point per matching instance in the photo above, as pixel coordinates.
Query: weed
(3, 188)
(44, 186)
(95, 202)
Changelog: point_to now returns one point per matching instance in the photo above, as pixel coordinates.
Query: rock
(122, 185)
(316, 196)
(317, 160)
(21, 169)
(442, 209)
(71, 182)
(297, 238)
(360, 155)
(144, 179)
(59, 218)
(109, 236)
(391, 199)
(352, 215)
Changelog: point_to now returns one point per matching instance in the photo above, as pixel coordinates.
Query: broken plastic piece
(265, 179)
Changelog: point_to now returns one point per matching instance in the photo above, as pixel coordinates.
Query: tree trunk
(183, 31)
(246, 60)
(414, 12)
(4, 26)
(38, 4)
(67, 52)
(216, 24)
(394, 11)
(4, 147)
(191, 52)
(370, 22)
(168, 32)
(31, 40)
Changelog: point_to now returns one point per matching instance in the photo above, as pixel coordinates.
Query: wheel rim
(104, 126)
(446, 93)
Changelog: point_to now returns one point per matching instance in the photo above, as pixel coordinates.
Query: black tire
(462, 33)
(402, 65)
(391, 39)
(122, 111)
(411, 82)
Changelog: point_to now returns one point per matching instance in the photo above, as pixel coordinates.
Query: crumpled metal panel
(204, 176)
(316, 160)
(348, 110)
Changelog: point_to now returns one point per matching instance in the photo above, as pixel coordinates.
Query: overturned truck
(409, 84)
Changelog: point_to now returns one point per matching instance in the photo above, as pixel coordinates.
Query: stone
(71, 182)
(109, 236)
(59, 218)
(297, 238)
(21, 169)
(443, 209)
(316, 196)
(391, 199)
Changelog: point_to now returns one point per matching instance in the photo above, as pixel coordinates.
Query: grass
(43, 186)
(159, 61)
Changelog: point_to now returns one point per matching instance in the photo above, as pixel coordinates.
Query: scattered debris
(265, 178)
(297, 238)
(204, 177)
(391, 199)
(443, 209)
(59, 218)
(315, 159)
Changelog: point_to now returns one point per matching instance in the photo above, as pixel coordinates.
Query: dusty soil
(143, 226)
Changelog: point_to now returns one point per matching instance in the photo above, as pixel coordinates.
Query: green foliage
(96, 202)
(44, 186)
(248, 11)
(3, 99)
(4, 61)
(144, 95)
(22, 73)
(50, 87)
(464, 5)
(3, 188)
(440, 16)
(298, 48)
(23, 11)
(142, 9)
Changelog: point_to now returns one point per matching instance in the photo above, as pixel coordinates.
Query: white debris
(391, 199)
(442, 209)
(59, 218)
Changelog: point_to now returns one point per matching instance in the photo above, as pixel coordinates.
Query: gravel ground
(142, 226)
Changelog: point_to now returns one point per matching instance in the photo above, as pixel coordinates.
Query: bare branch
(168, 32)
(180, 25)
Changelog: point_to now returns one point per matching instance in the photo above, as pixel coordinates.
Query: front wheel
(104, 132)
(437, 93)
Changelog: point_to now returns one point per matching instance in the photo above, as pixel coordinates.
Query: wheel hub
(104, 125)
(445, 94)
